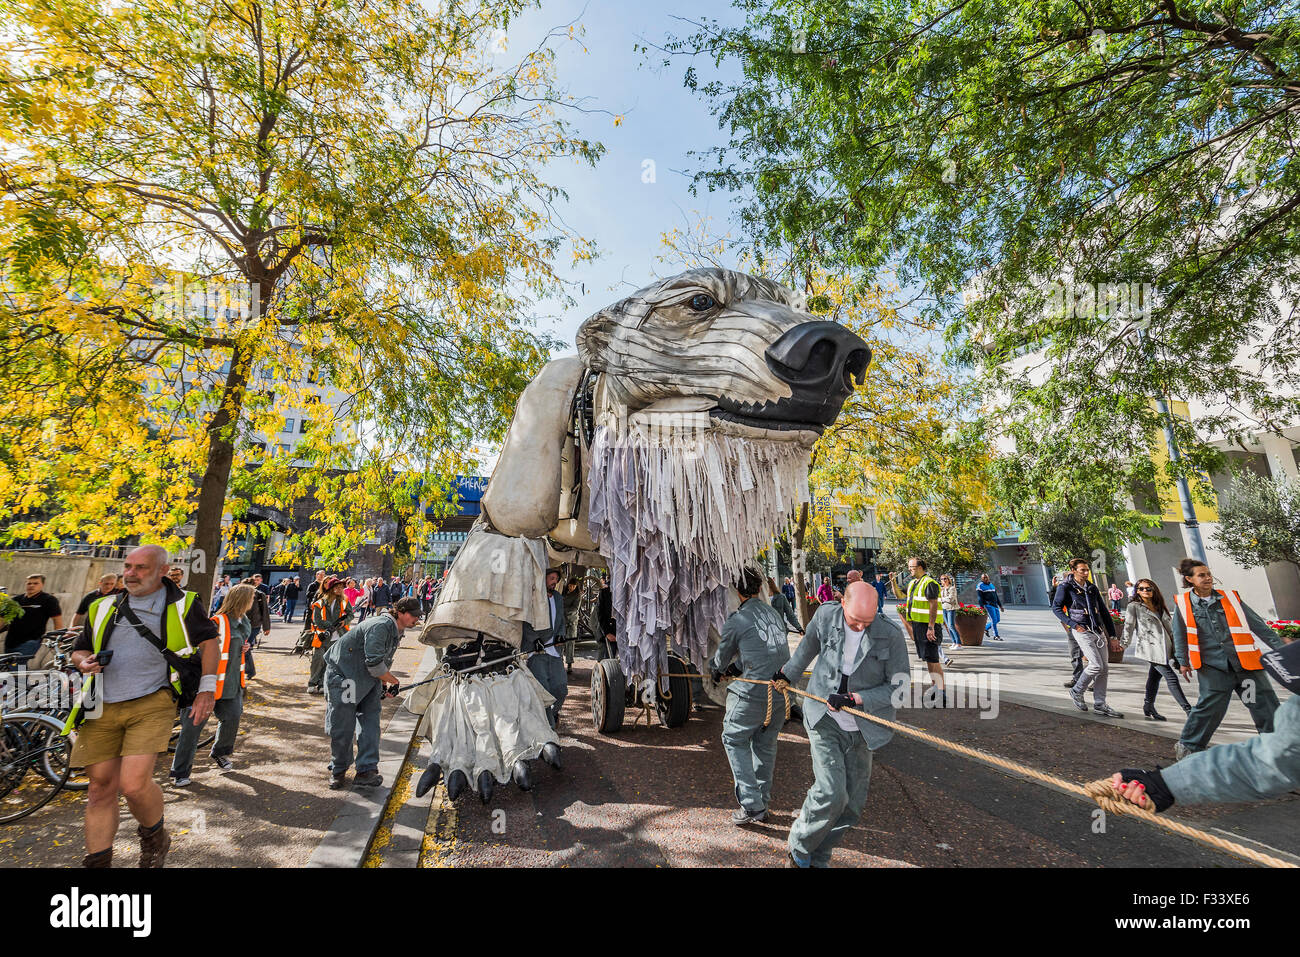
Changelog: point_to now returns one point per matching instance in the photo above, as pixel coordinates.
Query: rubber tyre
(26, 731)
(677, 710)
(608, 696)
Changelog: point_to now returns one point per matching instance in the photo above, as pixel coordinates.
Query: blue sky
(662, 121)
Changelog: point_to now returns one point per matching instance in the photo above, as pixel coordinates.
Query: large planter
(970, 628)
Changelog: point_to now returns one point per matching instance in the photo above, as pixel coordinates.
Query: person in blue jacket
(987, 594)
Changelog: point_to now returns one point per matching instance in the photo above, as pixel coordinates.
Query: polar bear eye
(702, 302)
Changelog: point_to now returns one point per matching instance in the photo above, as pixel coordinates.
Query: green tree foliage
(1023, 165)
(1259, 521)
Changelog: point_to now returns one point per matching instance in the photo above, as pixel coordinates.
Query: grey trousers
(317, 677)
(227, 712)
(1076, 656)
(751, 749)
(1097, 672)
(1214, 693)
(346, 717)
(842, 772)
(549, 671)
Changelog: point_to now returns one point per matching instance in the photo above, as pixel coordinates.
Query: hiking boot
(153, 846)
(744, 817)
(1106, 711)
(100, 859)
(1077, 698)
(369, 779)
(338, 781)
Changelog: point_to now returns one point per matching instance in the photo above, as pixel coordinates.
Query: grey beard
(678, 513)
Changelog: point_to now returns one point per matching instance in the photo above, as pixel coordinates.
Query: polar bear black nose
(821, 358)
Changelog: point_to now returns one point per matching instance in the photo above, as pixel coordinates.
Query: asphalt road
(653, 797)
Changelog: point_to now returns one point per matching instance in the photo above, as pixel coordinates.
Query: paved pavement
(1032, 662)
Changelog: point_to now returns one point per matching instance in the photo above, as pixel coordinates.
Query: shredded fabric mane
(678, 512)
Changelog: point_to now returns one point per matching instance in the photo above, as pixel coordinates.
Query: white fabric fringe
(482, 722)
(678, 512)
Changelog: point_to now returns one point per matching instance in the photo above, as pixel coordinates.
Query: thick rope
(1101, 791)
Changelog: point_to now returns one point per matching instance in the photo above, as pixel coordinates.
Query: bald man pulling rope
(861, 657)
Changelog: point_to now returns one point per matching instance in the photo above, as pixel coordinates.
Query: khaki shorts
(139, 726)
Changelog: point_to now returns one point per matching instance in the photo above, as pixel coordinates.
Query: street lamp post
(1191, 527)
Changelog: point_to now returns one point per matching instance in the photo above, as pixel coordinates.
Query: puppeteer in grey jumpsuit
(756, 634)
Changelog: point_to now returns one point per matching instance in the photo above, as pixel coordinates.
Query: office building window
(302, 424)
(288, 425)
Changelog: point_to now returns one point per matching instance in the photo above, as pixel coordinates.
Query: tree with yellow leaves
(215, 214)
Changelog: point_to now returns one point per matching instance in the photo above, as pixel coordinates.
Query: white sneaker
(181, 782)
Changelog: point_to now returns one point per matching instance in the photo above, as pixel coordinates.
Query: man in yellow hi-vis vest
(138, 690)
(919, 610)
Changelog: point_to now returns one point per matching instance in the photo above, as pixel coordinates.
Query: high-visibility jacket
(918, 606)
(100, 614)
(320, 634)
(223, 635)
(1243, 640)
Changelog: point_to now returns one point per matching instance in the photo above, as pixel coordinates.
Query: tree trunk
(216, 475)
(797, 562)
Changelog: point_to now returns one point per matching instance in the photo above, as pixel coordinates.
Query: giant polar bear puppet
(670, 450)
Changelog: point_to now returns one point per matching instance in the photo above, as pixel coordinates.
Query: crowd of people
(154, 655)
(856, 654)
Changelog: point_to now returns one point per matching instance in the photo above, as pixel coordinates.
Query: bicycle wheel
(54, 762)
(24, 741)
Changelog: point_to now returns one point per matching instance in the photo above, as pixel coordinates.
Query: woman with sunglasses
(1148, 626)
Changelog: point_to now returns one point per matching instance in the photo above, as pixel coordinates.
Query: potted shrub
(970, 624)
(1288, 631)
(1115, 651)
(9, 609)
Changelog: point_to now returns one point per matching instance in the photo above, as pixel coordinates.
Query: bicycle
(54, 700)
(34, 762)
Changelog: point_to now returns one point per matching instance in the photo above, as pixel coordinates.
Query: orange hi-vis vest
(316, 633)
(223, 633)
(1243, 640)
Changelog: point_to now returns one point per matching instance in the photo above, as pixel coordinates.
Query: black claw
(485, 786)
(521, 776)
(456, 783)
(429, 779)
(551, 755)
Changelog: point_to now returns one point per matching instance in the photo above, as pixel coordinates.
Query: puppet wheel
(608, 696)
(675, 711)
